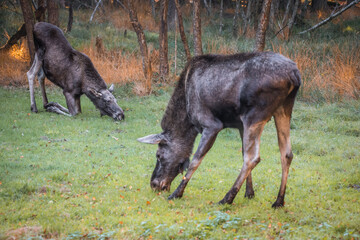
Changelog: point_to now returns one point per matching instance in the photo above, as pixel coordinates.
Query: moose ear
(151, 139)
(95, 93)
(111, 88)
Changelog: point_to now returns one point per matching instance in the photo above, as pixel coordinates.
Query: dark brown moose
(214, 92)
(72, 71)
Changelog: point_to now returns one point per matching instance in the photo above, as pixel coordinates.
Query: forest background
(327, 56)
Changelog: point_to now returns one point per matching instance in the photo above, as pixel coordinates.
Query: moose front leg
(57, 108)
(207, 140)
(71, 102)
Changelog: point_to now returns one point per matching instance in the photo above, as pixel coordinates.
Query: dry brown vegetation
(115, 67)
(330, 70)
(13, 65)
(334, 75)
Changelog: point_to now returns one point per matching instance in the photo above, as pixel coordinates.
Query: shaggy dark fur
(214, 92)
(70, 70)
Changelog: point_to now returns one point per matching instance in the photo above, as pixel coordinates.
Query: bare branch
(92, 15)
(122, 5)
(84, 4)
(332, 16)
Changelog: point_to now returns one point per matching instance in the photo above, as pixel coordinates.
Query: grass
(88, 177)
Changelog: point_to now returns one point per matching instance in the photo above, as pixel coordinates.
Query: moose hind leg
(31, 74)
(249, 192)
(57, 108)
(251, 158)
(282, 122)
(53, 106)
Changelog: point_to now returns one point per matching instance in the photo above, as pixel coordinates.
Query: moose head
(105, 101)
(172, 158)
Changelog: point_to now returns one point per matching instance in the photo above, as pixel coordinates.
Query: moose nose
(155, 185)
(120, 116)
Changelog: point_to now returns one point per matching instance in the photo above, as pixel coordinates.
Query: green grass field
(87, 177)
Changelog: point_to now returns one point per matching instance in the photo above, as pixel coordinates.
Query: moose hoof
(224, 201)
(277, 205)
(34, 109)
(174, 195)
(249, 195)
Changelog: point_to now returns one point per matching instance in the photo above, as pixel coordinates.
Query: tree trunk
(153, 9)
(248, 15)
(163, 41)
(71, 16)
(274, 11)
(41, 4)
(263, 25)
(181, 30)
(207, 7)
(53, 12)
(292, 19)
(319, 5)
(287, 10)
(304, 9)
(171, 14)
(255, 13)
(29, 25)
(221, 16)
(236, 19)
(142, 44)
(197, 28)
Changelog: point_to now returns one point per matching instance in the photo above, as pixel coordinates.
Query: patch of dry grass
(13, 65)
(333, 74)
(120, 18)
(217, 46)
(115, 67)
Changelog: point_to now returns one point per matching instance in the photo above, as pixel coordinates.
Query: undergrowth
(327, 58)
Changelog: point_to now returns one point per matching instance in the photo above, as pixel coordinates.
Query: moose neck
(176, 121)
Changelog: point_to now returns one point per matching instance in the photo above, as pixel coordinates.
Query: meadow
(87, 177)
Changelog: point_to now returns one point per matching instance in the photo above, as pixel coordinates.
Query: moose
(214, 92)
(69, 69)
